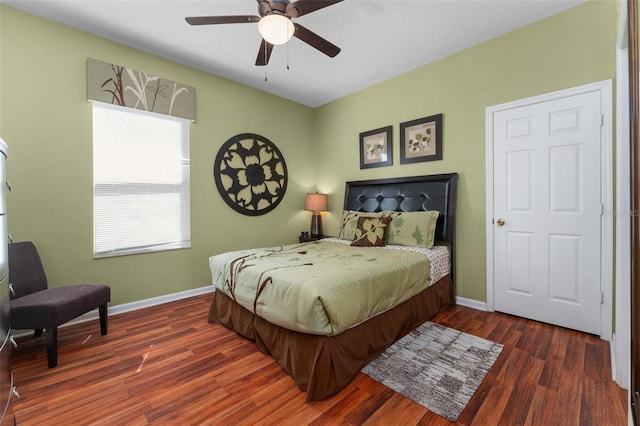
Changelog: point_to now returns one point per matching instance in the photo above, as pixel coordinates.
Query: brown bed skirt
(321, 366)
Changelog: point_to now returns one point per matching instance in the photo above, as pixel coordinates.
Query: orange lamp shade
(316, 202)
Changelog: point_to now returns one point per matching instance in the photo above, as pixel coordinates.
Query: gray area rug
(438, 367)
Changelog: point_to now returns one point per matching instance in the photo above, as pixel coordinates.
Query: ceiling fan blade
(212, 20)
(264, 53)
(302, 7)
(314, 40)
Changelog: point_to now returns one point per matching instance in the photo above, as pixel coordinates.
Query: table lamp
(316, 203)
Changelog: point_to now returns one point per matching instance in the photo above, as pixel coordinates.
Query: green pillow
(350, 223)
(416, 229)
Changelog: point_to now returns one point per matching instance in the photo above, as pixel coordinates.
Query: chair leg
(103, 319)
(37, 332)
(52, 346)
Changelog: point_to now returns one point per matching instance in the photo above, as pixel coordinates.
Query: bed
(323, 361)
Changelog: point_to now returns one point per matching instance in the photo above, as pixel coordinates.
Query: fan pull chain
(288, 44)
(265, 60)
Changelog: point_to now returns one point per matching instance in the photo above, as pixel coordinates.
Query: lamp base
(316, 225)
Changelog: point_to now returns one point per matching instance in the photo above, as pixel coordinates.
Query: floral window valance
(123, 86)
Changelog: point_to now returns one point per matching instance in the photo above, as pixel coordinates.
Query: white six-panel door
(547, 211)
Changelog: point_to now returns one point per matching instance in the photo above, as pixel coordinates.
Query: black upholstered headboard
(432, 192)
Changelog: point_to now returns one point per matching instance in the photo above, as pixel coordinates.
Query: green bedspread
(319, 287)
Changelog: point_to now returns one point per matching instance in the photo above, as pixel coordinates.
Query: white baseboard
(140, 304)
(146, 303)
(470, 303)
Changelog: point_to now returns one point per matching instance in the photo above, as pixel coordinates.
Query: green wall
(566, 50)
(47, 122)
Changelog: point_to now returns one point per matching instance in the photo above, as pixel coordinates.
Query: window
(140, 181)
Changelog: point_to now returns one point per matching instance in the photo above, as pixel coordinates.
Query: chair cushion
(54, 306)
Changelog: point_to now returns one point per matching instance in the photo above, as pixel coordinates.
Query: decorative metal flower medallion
(250, 174)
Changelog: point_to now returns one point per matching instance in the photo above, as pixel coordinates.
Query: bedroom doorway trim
(606, 187)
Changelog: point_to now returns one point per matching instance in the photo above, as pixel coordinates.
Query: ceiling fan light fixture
(276, 29)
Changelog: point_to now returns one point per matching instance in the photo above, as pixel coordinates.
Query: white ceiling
(379, 39)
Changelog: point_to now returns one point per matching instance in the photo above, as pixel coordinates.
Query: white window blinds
(140, 181)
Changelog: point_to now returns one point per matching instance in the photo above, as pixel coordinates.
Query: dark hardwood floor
(167, 365)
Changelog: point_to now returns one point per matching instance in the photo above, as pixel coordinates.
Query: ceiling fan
(276, 26)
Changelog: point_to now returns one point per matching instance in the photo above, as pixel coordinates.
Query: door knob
(500, 222)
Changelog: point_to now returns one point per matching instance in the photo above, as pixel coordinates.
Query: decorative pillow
(350, 223)
(371, 231)
(416, 229)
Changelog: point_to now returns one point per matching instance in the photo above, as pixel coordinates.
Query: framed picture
(376, 148)
(421, 140)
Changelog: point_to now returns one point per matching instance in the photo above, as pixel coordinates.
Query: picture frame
(421, 140)
(376, 148)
